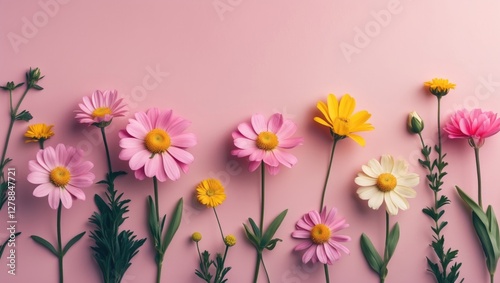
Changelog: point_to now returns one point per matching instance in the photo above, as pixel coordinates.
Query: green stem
(218, 222)
(159, 262)
(263, 195)
(257, 265)
(386, 251)
(59, 244)
(328, 174)
(155, 186)
(265, 270)
(108, 159)
(327, 276)
(478, 170)
(492, 277)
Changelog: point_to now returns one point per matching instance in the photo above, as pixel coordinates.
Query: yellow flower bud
(196, 236)
(230, 240)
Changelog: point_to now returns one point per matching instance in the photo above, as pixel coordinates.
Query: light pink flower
(60, 174)
(154, 143)
(319, 235)
(475, 125)
(267, 142)
(101, 107)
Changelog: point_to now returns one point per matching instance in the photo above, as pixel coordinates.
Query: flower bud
(230, 240)
(32, 78)
(196, 236)
(415, 123)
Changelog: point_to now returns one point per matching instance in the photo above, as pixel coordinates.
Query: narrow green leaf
(251, 237)
(44, 243)
(392, 241)
(72, 242)
(473, 205)
(173, 225)
(493, 227)
(272, 244)
(271, 230)
(486, 243)
(371, 255)
(153, 223)
(256, 230)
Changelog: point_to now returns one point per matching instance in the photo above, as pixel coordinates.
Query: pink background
(218, 62)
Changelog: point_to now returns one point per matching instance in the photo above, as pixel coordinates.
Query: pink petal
(137, 130)
(285, 158)
(37, 177)
(301, 234)
(302, 246)
(181, 155)
(76, 192)
(321, 254)
(143, 120)
(259, 123)
(275, 123)
(153, 165)
(49, 156)
(177, 126)
(290, 142)
(66, 199)
(154, 114)
(270, 159)
(273, 170)
(139, 159)
(164, 120)
(43, 190)
(247, 131)
(170, 167)
(287, 130)
(183, 140)
(82, 181)
(54, 198)
(309, 254)
(253, 165)
(244, 143)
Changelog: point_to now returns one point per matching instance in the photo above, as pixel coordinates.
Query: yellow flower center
(386, 182)
(157, 141)
(210, 192)
(267, 141)
(101, 112)
(60, 176)
(320, 234)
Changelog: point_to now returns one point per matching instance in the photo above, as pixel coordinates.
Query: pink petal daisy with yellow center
(60, 174)
(266, 142)
(100, 108)
(319, 235)
(155, 144)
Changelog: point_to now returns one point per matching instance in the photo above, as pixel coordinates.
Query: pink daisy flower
(100, 108)
(60, 174)
(475, 126)
(266, 142)
(154, 143)
(319, 234)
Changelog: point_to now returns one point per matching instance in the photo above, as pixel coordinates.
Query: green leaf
(251, 237)
(271, 230)
(489, 248)
(154, 228)
(272, 244)
(2, 247)
(493, 226)
(44, 243)
(173, 225)
(371, 255)
(24, 116)
(255, 229)
(72, 242)
(473, 205)
(392, 241)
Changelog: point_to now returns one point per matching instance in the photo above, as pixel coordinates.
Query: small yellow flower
(39, 132)
(439, 87)
(210, 192)
(196, 236)
(339, 117)
(230, 240)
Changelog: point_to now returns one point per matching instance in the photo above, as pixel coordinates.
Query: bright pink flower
(475, 125)
(100, 108)
(319, 235)
(154, 143)
(266, 141)
(60, 174)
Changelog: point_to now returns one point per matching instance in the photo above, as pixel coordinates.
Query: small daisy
(389, 181)
(210, 192)
(266, 142)
(319, 235)
(100, 108)
(60, 174)
(38, 132)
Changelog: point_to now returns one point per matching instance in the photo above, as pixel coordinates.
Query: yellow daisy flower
(38, 132)
(339, 117)
(439, 87)
(210, 192)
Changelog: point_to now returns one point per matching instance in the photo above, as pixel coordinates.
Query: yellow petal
(324, 110)
(333, 107)
(361, 141)
(322, 122)
(347, 105)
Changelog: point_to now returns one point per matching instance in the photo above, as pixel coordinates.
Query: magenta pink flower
(475, 126)
(266, 142)
(319, 235)
(60, 174)
(100, 108)
(155, 144)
